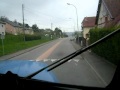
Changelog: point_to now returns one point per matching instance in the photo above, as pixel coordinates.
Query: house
(12, 27)
(29, 31)
(108, 13)
(87, 24)
(2, 28)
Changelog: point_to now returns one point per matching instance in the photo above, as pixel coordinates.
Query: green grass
(15, 43)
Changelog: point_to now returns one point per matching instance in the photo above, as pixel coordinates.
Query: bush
(109, 49)
(32, 37)
(12, 38)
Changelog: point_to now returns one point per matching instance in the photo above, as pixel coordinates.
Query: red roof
(89, 22)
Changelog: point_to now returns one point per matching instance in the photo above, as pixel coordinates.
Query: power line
(40, 19)
(38, 12)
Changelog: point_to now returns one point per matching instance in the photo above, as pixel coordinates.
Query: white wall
(86, 31)
(103, 13)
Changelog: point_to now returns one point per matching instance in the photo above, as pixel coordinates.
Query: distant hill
(69, 33)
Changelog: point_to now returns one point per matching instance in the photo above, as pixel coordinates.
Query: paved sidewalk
(103, 68)
(9, 56)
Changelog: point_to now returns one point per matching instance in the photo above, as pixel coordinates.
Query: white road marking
(32, 60)
(76, 60)
(53, 60)
(46, 60)
(69, 60)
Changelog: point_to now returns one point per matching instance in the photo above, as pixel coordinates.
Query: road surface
(76, 71)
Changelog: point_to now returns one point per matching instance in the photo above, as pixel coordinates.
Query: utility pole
(51, 26)
(51, 29)
(23, 21)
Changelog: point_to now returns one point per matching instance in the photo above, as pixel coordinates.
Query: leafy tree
(35, 28)
(3, 18)
(58, 32)
(41, 31)
(27, 26)
(49, 32)
(15, 21)
(20, 24)
(76, 33)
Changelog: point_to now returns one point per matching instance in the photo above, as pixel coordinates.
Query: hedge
(32, 37)
(109, 49)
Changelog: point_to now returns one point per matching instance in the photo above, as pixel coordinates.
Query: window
(106, 19)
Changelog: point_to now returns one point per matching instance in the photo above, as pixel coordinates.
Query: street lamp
(76, 15)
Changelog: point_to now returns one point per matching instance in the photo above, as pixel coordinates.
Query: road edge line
(105, 83)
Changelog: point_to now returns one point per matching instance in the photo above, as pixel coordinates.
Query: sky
(50, 13)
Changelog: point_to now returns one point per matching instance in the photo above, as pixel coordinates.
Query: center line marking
(48, 52)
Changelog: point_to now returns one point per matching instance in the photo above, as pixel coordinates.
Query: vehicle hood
(24, 68)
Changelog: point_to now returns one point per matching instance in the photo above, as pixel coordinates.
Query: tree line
(57, 32)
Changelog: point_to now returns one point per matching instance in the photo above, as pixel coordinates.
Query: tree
(35, 28)
(20, 24)
(15, 21)
(76, 33)
(27, 26)
(49, 32)
(3, 18)
(42, 31)
(58, 32)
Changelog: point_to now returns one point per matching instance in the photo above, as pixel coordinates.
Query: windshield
(37, 33)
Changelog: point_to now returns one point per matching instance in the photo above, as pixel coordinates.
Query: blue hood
(24, 68)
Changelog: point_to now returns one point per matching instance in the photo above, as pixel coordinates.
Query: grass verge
(13, 44)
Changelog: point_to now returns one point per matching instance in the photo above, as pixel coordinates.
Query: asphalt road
(76, 71)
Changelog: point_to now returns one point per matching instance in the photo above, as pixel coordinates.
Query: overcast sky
(45, 12)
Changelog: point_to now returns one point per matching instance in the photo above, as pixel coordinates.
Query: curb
(9, 56)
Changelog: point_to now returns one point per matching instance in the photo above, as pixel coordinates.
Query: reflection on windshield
(36, 34)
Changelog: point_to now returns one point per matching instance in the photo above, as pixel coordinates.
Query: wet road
(76, 71)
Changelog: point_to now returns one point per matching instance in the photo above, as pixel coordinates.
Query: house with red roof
(87, 24)
(108, 13)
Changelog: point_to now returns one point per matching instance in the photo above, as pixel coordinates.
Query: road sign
(2, 36)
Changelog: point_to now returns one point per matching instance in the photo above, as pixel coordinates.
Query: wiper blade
(86, 48)
(74, 54)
